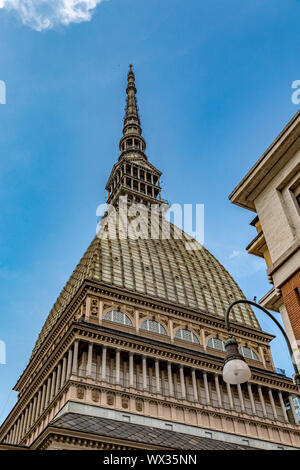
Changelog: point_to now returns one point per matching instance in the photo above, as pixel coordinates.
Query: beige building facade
(131, 354)
(272, 189)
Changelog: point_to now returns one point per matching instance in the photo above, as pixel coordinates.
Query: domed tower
(131, 354)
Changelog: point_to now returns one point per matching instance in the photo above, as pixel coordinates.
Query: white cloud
(236, 253)
(45, 14)
(242, 264)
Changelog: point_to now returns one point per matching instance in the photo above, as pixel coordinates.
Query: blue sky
(214, 89)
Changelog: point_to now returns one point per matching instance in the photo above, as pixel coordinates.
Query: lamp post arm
(244, 301)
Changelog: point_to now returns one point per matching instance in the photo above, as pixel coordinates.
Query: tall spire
(133, 175)
(132, 140)
(131, 115)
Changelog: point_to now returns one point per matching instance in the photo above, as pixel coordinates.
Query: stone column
(19, 427)
(33, 410)
(83, 364)
(103, 363)
(272, 403)
(144, 372)
(286, 419)
(262, 356)
(130, 369)
(98, 367)
(89, 361)
(38, 405)
(20, 430)
(137, 321)
(118, 357)
(58, 376)
(203, 339)
(19, 437)
(229, 392)
(171, 386)
(29, 416)
(218, 391)
(48, 391)
(23, 430)
(262, 401)
(69, 365)
(194, 382)
(182, 384)
(19, 424)
(293, 409)
(157, 376)
(75, 358)
(171, 330)
(253, 407)
(14, 432)
(241, 397)
(138, 384)
(43, 398)
(206, 388)
(87, 308)
(64, 372)
(53, 382)
(100, 312)
(144, 361)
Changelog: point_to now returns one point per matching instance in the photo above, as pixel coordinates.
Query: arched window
(118, 317)
(248, 353)
(186, 335)
(153, 327)
(216, 343)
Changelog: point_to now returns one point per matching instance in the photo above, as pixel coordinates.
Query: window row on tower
(137, 179)
(183, 334)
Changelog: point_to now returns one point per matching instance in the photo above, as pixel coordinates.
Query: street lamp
(236, 370)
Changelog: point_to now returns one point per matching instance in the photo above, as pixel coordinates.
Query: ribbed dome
(159, 267)
(163, 269)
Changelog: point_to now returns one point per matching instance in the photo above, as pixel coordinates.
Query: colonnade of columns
(150, 375)
(43, 397)
(155, 376)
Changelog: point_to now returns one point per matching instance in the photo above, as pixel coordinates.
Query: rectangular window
(245, 442)
(169, 426)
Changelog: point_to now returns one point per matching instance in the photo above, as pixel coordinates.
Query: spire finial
(132, 139)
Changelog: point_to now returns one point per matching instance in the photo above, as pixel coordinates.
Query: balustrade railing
(150, 387)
